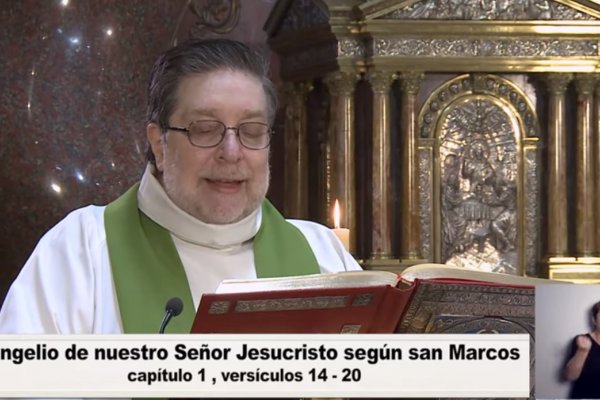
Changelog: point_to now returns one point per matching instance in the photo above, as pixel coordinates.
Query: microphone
(172, 309)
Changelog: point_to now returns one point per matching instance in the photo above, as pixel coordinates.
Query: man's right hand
(583, 342)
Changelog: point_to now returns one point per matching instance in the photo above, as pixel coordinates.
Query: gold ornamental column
(341, 88)
(296, 151)
(585, 235)
(410, 243)
(557, 165)
(381, 248)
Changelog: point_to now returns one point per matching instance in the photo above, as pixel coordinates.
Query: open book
(364, 301)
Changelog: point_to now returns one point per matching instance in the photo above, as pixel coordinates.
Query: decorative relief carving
(425, 209)
(478, 325)
(485, 47)
(557, 83)
(381, 81)
(477, 83)
(488, 10)
(351, 48)
(303, 14)
(434, 299)
(532, 211)
(479, 120)
(478, 155)
(219, 16)
(410, 82)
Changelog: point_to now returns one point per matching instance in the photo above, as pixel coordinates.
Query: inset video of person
(583, 363)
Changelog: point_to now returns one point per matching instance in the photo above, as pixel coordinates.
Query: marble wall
(73, 75)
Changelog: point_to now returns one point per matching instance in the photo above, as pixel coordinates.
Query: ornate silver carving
(478, 155)
(303, 14)
(218, 307)
(425, 204)
(532, 211)
(488, 10)
(485, 47)
(307, 303)
(351, 48)
(469, 324)
(434, 299)
(463, 308)
(219, 16)
(478, 83)
(483, 118)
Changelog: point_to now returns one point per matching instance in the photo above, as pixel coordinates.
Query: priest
(198, 215)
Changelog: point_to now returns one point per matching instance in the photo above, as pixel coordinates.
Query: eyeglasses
(252, 135)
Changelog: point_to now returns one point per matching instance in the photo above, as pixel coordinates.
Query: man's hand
(583, 342)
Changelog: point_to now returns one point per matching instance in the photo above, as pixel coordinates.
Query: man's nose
(230, 147)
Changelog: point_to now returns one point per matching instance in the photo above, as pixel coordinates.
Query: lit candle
(342, 233)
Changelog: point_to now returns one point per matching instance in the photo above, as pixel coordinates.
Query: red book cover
(374, 309)
(417, 305)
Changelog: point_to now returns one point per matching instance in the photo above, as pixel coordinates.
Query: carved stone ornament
(488, 10)
(219, 16)
(485, 47)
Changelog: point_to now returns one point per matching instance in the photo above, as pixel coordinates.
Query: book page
(441, 271)
(316, 281)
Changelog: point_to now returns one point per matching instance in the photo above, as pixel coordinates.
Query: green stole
(147, 270)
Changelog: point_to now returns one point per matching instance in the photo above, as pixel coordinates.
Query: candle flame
(336, 215)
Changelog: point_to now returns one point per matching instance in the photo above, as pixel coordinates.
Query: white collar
(156, 204)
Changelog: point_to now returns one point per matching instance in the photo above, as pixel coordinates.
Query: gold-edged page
(316, 281)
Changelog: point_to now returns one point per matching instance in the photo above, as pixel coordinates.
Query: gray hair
(197, 57)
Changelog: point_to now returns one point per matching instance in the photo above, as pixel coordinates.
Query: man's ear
(157, 143)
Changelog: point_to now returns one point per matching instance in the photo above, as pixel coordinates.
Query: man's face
(222, 184)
